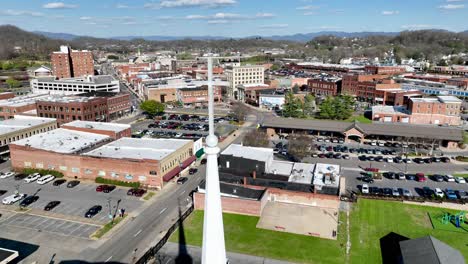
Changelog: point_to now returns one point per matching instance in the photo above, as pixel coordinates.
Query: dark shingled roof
(381, 129)
(237, 190)
(429, 250)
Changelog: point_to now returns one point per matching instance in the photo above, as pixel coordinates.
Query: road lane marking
(137, 233)
(163, 210)
(182, 192)
(107, 260)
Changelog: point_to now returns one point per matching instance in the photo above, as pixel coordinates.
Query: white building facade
(243, 75)
(71, 86)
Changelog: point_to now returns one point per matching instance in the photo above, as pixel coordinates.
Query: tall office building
(254, 74)
(68, 63)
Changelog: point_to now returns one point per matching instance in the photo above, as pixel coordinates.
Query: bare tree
(300, 145)
(256, 138)
(240, 111)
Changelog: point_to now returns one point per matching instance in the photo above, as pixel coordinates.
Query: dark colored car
(451, 194)
(372, 169)
(418, 160)
(411, 177)
(136, 192)
(105, 188)
(362, 158)
(390, 175)
(387, 191)
(436, 159)
(203, 161)
(2, 192)
(72, 184)
(20, 176)
(93, 211)
(182, 180)
(51, 205)
(59, 182)
(375, 191)
(427, 192)
(29, 200)
(192, 171)
(445, 159)
(438, 177)
(367, 179)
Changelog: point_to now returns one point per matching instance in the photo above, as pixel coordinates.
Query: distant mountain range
(295, 37)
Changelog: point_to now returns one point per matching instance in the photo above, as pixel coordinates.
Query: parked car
(136, 192)
(193, 171)
(72, 184)
(32, 177)
(346, 157)
(411, 177)
(407, 193)
(93, 211)
(13, 198)
(449, 178)
(367, 179)
(387, 191)
(450, 194)
(45, 179)
(372, 169)
(375, 191)
(445, 159)
(439, 193)
(389, 160)
(438, 177)
(51, 205)
(395, 192)
(29, 200)
(105, 188)
(182, 180)
(59, 182)
(401, 176)
(460, 180)
(365, 189)
(421, 177)
(20, 176)
(462, 195)
(7, 175)
(427, 192)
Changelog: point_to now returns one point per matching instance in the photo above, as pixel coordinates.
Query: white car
(381, 144)
(449, 178)
(390, 160)
(365, 189)
(6, 175)
(373, 143)
(13, 198)
(460, 180)
(45, 179)
(32, 177)
(439, 192)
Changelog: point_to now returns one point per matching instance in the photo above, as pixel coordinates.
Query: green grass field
(242, 236)
(361, 119)
(370, 220)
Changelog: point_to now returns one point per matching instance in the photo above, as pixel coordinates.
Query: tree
(295, 88)
(112, 57)
(239, 111)
(12, 83)
(292, 106)
(299, 145)
(337, 108)
(308, 106)
(152, 107)
(256, 138)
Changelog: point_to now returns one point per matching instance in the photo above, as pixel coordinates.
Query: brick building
(67, 109)
(388, 70)
(325, 86)
(371, 88)
(86, 155)
(112, 130)
(442, 110)
(118, 104)
(198, 94)
(6, 95)
(18, 105)
(68, 63)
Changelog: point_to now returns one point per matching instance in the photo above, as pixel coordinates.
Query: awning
(200, 153)
(172, 173)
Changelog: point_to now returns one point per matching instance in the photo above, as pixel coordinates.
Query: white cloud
(190, 3)
(59, 5)
(451, 1)
(122, 6)
(390, 12)
(308, 7)
(10, 12)
(196, 17)
(264, 15)
(222, 21)
(311, 13)
(85, 18)
(272, 26)
(451, 7)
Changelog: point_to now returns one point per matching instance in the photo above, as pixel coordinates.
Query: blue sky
(236, 18)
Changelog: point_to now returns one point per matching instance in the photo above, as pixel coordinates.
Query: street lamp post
(214, 251)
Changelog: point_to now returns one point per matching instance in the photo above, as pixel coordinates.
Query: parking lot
(68, 218)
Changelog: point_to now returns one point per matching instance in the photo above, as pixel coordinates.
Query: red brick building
(325, 86)
(18, 105)
(67, 109)
(197, 94)
(6, 95)
(112, 130)
(68, 63)
(389, 70)
(372, 88)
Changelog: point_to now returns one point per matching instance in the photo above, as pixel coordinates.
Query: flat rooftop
(237, 191)
(63, 141)
(21, 100)
(252, 153)
(114, 127)
(302, 173)
(388, 109)
(92, 79)
(280, 167)
(20, 122)
(326, 175)
(139, 148)
(66, 99)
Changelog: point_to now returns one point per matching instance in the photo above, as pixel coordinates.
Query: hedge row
(43, 172)
(461, 158)
(118, 183)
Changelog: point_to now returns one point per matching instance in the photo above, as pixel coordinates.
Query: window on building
(75, 170)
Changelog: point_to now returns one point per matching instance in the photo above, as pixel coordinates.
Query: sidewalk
(171, 252)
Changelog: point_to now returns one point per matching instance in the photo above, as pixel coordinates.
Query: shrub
(57, 174)
(118, 183)
(461, 158)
